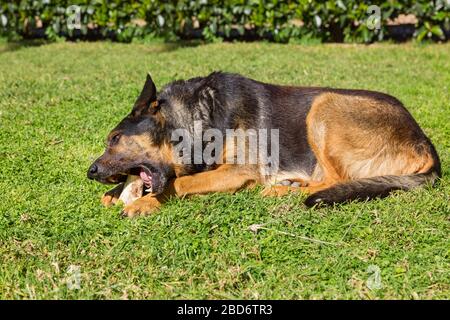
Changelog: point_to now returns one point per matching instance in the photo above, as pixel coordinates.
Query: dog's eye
(115, 138)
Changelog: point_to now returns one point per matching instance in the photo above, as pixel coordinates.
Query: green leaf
(437, 31)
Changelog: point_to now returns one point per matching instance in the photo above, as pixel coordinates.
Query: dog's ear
(146, 102)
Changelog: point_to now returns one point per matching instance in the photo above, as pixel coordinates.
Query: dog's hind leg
(366, 148)
(280, 190)
(326, 173)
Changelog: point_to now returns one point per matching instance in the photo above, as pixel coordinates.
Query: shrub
(275, 20)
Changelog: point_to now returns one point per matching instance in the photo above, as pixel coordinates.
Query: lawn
(57, 104)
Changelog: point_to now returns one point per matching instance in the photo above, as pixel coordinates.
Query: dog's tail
(369, 188)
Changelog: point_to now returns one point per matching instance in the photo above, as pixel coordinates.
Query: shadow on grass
(180, 44)
(8, 46)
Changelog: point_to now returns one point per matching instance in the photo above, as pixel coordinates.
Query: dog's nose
(92, 171)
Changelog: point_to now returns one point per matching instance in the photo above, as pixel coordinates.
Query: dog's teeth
(149, 190)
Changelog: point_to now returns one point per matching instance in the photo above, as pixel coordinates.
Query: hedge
(280, 21)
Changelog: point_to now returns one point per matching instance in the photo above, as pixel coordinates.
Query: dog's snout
(93, 170)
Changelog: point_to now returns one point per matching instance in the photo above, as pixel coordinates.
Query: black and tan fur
(335, 145)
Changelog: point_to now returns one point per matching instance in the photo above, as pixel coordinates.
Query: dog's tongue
(146, 178)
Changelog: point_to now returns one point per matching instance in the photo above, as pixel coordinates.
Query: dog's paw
(109, 200)
(278, 190)
(141, 207)
(112, 196)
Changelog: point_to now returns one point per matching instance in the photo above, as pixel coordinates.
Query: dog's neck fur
(219, 101)
(188, 103)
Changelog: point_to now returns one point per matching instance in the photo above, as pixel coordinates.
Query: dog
(334, 145)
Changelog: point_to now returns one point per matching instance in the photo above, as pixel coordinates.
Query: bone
(132, 189)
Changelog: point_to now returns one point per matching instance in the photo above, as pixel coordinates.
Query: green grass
(58, 102)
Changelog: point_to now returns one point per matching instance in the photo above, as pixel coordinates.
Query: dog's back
(339, 144)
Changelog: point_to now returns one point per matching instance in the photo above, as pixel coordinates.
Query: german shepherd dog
(335, 145)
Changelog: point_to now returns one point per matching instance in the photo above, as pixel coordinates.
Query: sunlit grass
(58, 102)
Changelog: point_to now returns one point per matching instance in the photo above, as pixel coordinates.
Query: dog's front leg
(226, 178)
(143, 206)
(112, 196)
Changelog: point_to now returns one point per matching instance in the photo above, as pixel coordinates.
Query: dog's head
(137, 146)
